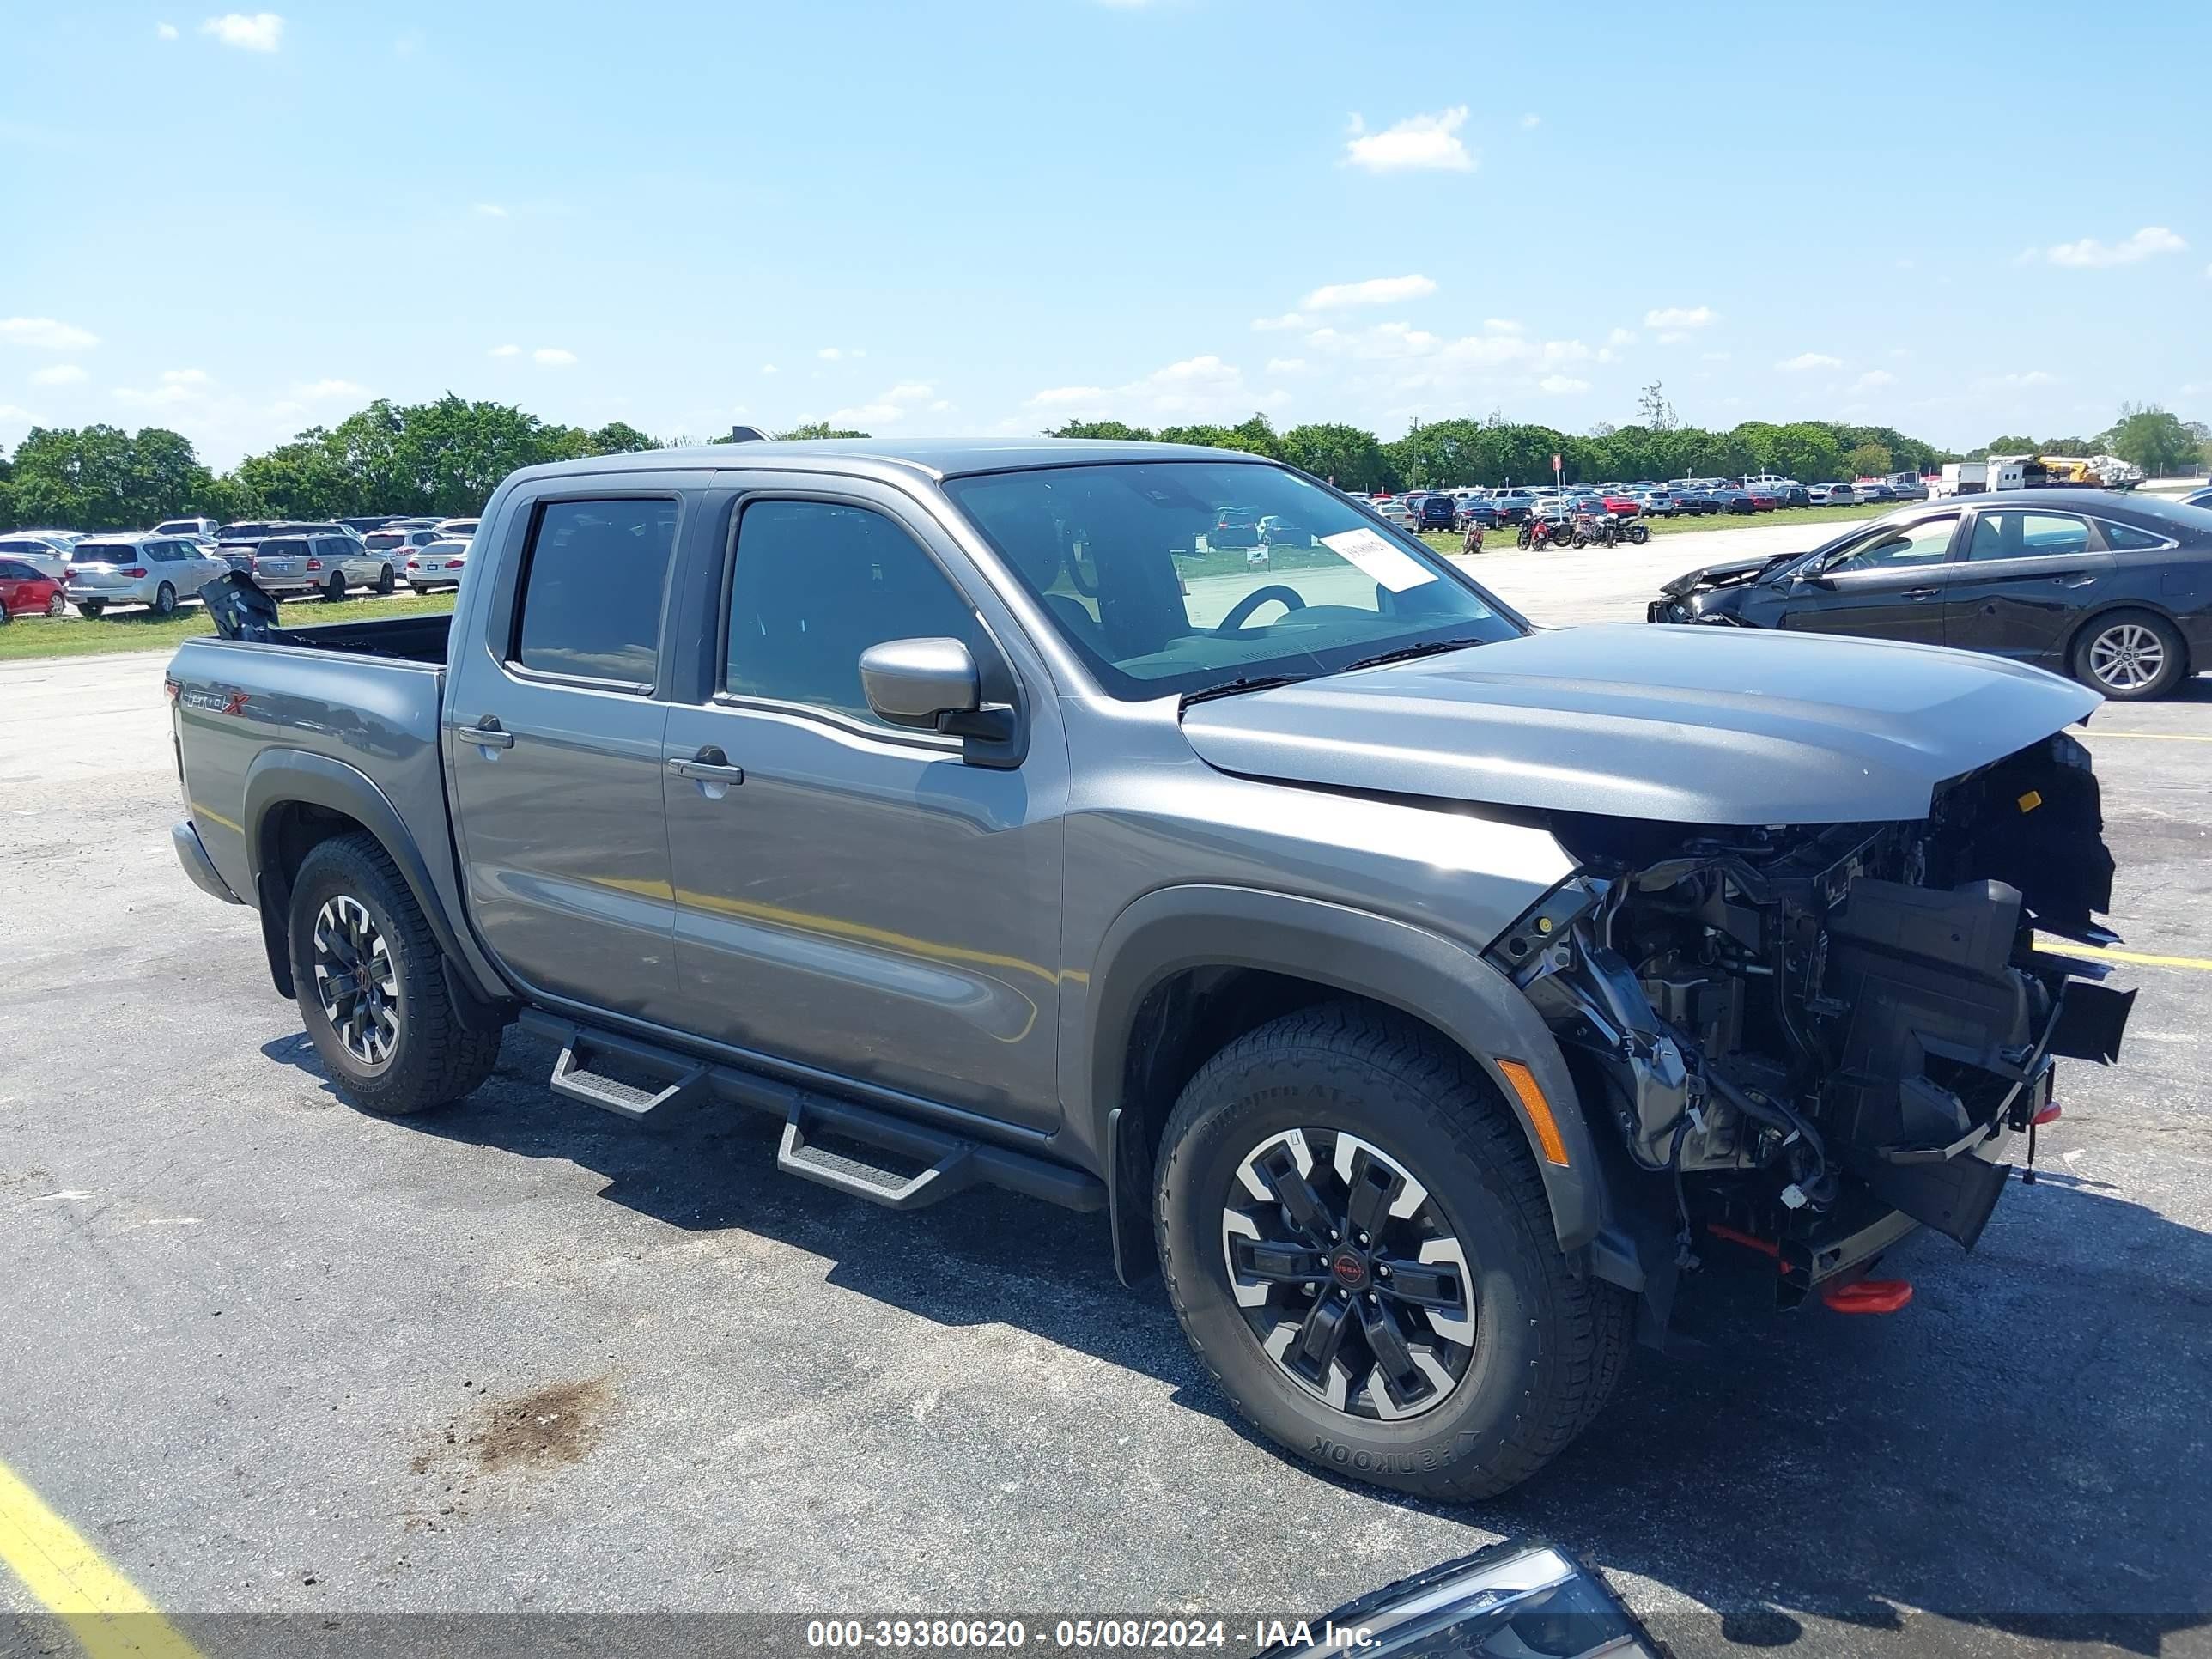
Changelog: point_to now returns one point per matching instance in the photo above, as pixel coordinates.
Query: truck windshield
(1125, 558)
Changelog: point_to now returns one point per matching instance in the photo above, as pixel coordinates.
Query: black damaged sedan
(2115, 591)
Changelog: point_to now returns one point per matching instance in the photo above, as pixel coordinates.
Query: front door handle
(1922, 592)
(486, 733)
(710, 765)
(2076, 581)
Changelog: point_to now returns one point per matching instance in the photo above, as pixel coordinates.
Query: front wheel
(57, 606)
(384, 582)
(371, 985)
(1356, 1242)
(2130, 655)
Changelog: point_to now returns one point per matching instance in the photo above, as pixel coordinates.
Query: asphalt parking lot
(274, 1357)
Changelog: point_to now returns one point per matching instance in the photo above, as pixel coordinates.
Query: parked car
(1907, 486)
(325, 561)
(1398, 514)
(1794, 495)
(1512, 506)
(1873, 489)
(1765, 498)
(1621, 501)
(48, 556)
(1266, 930)
(2195, 498)
(1233, 526)
(395, 545)
(362, 523)
(1434, 513)
(462, 529)
(2116, 591)
(1474, 509)
(440, 563)
(27, 590)
(1831, 494)
(159, 571)
(1275, 531)
(1665, 502)
(198, 529)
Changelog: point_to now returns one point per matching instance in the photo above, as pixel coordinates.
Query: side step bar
(953, 1162)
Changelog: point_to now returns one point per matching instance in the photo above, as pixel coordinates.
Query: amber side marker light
(1539, 1110)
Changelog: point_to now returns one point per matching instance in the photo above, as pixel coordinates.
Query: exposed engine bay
(1809, 1037)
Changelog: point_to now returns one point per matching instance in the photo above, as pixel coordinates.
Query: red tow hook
(1868, 1295)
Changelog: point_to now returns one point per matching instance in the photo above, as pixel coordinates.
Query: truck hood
(1716, 726)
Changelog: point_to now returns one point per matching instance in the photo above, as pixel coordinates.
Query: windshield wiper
(1407, 653)
(1232, 687)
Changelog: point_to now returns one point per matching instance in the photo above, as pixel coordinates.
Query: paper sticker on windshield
(1393, 567)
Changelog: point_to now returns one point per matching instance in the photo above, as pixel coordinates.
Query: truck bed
(348, 703)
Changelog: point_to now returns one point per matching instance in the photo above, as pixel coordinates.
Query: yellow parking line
(2068, 947)
(102, 1608)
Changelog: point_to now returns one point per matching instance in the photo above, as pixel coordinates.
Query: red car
(1765, 498)
(1622, 505)
(27, 592)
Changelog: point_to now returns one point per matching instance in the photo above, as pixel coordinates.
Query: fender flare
(285, 777)
(1442, 983)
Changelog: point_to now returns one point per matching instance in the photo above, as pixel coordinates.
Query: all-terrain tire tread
(1585, 1335)
(459, 1058)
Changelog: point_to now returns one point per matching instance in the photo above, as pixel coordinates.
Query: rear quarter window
(594, 581)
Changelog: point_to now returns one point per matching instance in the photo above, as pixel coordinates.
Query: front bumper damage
(1810, 1040)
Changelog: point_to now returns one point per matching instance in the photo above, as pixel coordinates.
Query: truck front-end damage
(1810, 1037)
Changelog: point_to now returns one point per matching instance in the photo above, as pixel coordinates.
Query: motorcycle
(1538, 533)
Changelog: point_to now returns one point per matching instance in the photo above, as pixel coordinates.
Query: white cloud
(1429, 141)
(259, 32)
(891, 406)
(177, 386)
(11, 412)
(1805, 360)
(316, 390)
(59, 375)
(44, 333)
(491, 210)
(553, 356)
(1282, 365)
(2089, 253)
(1680, 317)
(1195, 389)
(1714, 356)
(1530, 123)
(2027, 377)
(1374, 291)
(165, 31)
(840, 353)
(768, 368)
(1288, 319)
(1558, 384)
(1873, 378)
(504, 351)
(1621, 337)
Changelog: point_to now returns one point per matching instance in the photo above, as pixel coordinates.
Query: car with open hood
(1435, 1000)
(2115, 591)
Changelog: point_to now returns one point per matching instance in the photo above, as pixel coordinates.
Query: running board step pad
(950, 1173)
(574, 1079)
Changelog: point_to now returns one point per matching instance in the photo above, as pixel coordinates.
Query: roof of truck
(935, 458)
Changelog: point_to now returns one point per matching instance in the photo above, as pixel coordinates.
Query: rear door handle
(710, 765)
(2083, 580)
(486, 733)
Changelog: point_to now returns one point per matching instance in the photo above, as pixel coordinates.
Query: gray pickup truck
(1430, 995)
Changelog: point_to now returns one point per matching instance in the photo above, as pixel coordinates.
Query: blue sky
(1958, 219)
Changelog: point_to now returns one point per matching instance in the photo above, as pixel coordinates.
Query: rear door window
(593, 584)
(2013, 533)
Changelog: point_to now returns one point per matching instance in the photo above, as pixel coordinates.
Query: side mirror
(1818, 579)
(931, 685)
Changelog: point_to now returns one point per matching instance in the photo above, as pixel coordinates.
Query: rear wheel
(384, 583)
(1639, 533)
(1356, 1239)
(371, 985)
(334, 589)
(165, 599)
(2129, 655)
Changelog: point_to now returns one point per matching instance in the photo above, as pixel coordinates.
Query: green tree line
(446, 457)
